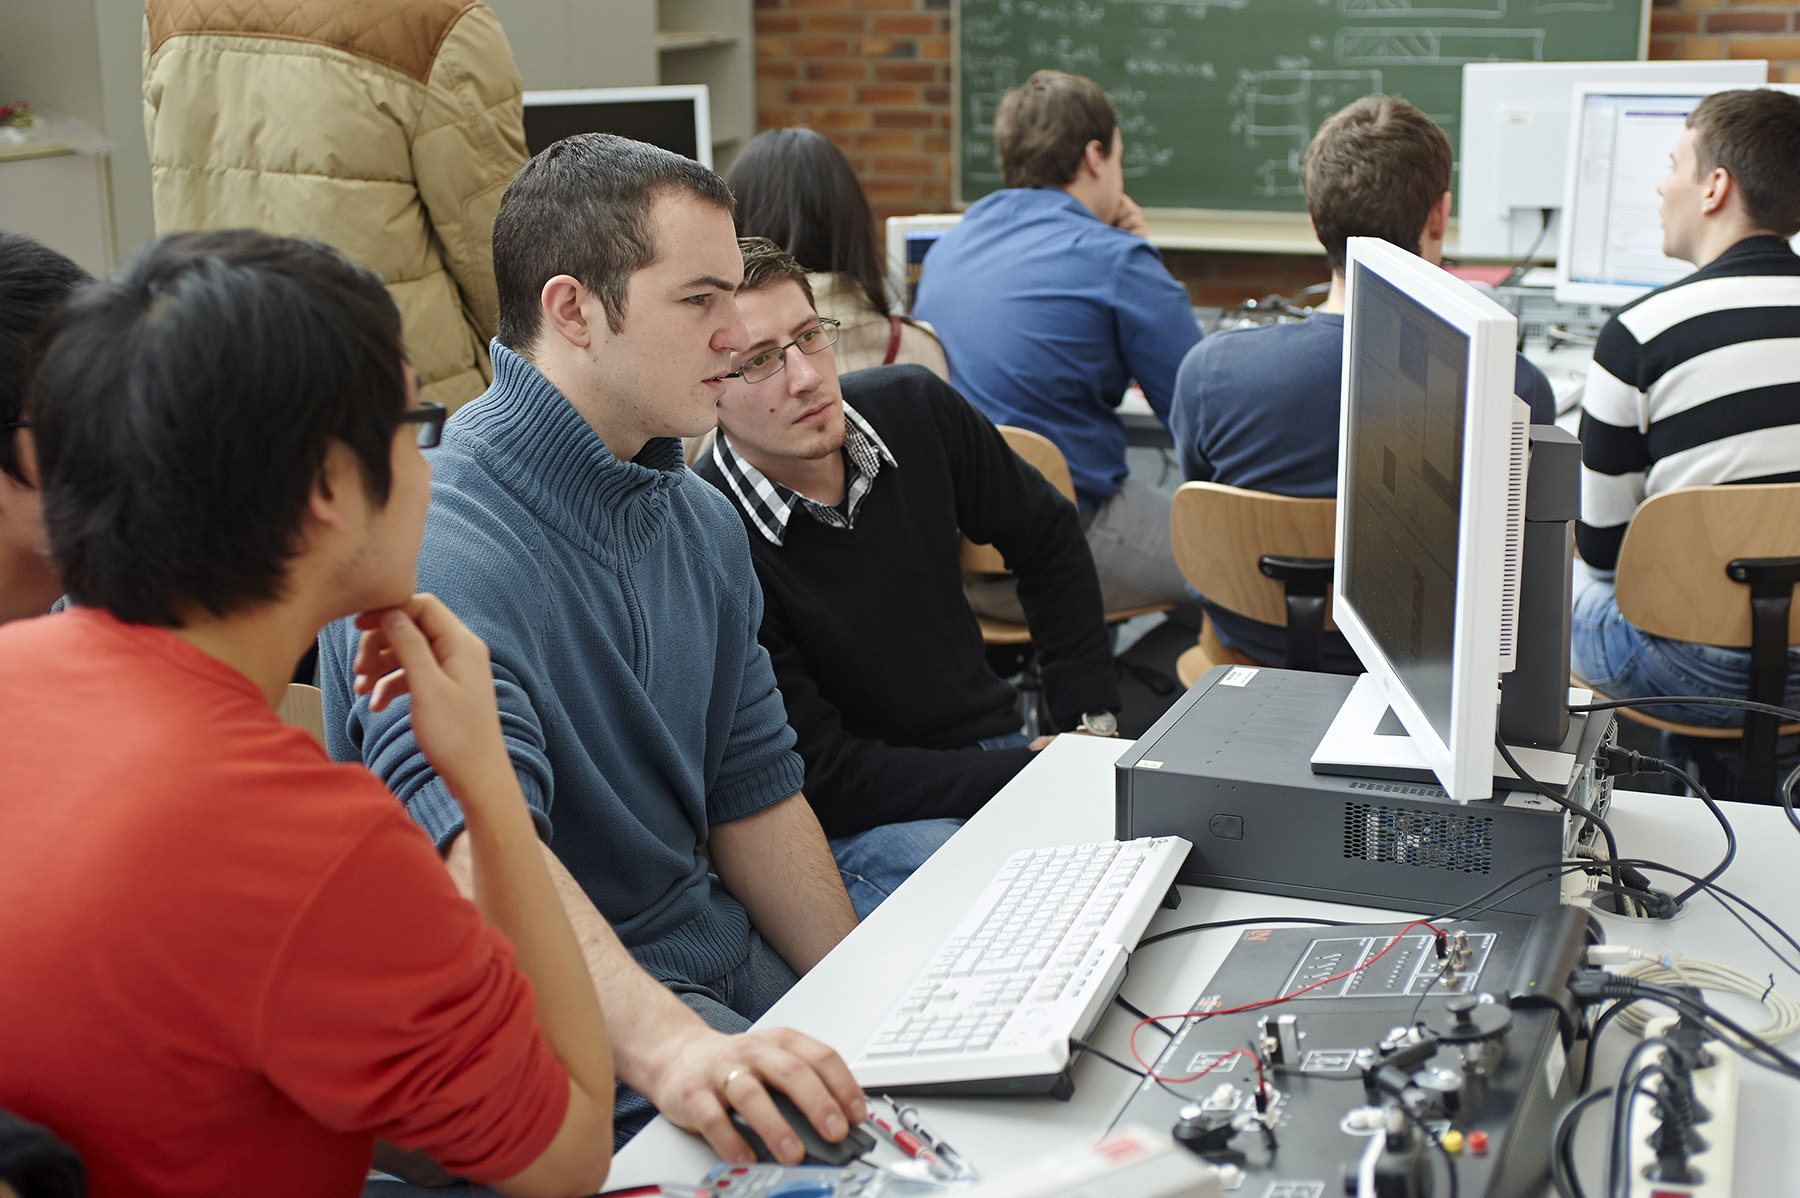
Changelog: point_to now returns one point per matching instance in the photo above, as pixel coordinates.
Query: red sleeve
(394, 1011)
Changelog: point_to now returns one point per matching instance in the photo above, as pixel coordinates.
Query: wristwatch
(1100, 723)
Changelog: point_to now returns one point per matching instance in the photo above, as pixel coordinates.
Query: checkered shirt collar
(770, 504)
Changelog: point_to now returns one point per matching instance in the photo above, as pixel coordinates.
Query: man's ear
(1717, 190)
(335, 484)
(1093, 159)
(1437, 221)
(561, 303)
(25, 454)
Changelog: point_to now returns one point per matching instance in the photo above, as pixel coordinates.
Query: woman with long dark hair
(798, 190)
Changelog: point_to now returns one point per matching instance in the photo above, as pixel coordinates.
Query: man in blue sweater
(1258, 408)
(616, 594)
(1049, 302)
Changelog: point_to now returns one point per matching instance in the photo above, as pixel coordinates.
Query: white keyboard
(1034, 962)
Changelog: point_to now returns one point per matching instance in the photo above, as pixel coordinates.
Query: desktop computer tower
(1228, 767)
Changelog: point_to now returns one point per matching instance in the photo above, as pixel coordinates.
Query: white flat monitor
(1430, 518)
(908, 240)
(1611, 249)
(677, 118)
(1515, 139)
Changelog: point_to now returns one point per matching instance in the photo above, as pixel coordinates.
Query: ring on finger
(731, 1077)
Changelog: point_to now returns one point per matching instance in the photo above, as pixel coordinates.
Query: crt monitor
(1515, 137)
(909, 238)
(1612, 245)
(1431, 472)
(679, 119)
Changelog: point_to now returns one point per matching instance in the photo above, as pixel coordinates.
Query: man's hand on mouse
(710, 1073)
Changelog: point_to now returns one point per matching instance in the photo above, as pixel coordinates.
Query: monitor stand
(1366, 740)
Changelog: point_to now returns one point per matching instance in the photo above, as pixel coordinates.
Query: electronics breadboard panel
(1469, 1040)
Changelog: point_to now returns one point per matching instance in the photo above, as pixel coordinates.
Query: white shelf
(672, 40)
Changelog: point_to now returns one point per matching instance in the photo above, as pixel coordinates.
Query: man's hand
(1130, 218)
(1040, 744)
(420, 648)
(709, 1073)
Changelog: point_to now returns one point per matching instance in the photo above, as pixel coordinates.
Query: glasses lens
(762, 366)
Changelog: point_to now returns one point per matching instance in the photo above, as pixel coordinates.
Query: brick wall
(874, 76)
(1729, 29)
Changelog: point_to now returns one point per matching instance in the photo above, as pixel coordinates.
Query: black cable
(1718, 814)
(1751, 1046)
(1612, 844)
(1413, 1019)
(1622, 1096)
(1587, 1057)
(1787, 713)
(1152, 1020)
(1084, 1046)
(1787, 797)
(1717, 891)
(1519, 267)
(1242, 923)
(1562, 1140)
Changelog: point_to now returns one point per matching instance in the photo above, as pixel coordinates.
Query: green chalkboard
(1218, 98)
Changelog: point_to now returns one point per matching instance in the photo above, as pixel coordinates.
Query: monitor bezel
(1463, 763)
(699, 93)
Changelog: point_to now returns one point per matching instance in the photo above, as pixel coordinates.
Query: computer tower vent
(1429, 839)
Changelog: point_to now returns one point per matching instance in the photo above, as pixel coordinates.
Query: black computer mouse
(819, 1150)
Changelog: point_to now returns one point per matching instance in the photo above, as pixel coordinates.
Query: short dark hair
(184, 408)
(766, 264)
(1754, 134)
(582, 208)
(794, 187)
(1374, 169)
(1043, 127)
(34, 281)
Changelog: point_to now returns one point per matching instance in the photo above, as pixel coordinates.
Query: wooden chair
(1040, 452)
(1717, 566)
(303, 706)
(1266, 557)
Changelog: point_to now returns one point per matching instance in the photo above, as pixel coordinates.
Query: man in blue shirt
(1049, 303)
(1258, 408)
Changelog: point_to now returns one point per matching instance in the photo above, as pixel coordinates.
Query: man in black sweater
(856, 497)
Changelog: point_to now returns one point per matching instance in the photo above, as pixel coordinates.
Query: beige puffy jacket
(387, 128)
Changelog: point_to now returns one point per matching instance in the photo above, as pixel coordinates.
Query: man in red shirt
(233, 964)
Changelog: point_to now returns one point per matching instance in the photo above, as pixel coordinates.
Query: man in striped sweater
(1695, 384)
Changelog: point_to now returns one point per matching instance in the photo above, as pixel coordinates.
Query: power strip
(1716, 1090)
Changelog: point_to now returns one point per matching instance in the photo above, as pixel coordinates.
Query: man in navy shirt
(1049, 303)
(1258, 408)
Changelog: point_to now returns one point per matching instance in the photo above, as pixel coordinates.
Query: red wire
(1267, 1002)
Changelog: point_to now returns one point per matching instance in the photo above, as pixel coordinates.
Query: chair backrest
(1220, 532)
(1040, 452)
(303, 706)
(1671, 578)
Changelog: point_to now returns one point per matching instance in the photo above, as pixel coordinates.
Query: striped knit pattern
(1695, 384)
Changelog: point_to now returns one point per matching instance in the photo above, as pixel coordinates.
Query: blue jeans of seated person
(1612, 656)
(729, 1004)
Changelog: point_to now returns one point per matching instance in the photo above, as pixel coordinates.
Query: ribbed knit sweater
(620, 607)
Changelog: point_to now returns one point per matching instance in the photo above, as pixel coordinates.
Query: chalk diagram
(1279, 110)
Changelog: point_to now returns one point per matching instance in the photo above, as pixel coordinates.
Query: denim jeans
(875, 862)
(1612, 656)
(729, 1004)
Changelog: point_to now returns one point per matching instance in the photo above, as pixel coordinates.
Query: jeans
(1133, 555)
(729, 1004)
(875, 862)
(1610, 655)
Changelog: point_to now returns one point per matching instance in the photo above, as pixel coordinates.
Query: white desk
(1065, 796)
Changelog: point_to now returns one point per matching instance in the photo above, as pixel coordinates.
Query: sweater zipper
(640, 631)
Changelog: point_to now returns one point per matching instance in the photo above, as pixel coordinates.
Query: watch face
(1100, 723)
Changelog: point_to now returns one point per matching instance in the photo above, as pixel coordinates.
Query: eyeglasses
(769, 362)
(11, 425)
(430, 418)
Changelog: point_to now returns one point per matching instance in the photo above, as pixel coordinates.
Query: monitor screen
(1406, 385)
(1622, 152)
(675, 118)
